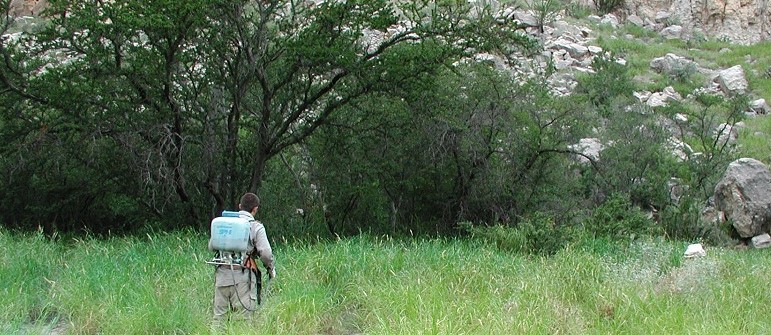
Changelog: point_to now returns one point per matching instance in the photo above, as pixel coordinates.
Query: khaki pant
(240, 298)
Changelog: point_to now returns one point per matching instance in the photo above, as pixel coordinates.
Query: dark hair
(249, 201)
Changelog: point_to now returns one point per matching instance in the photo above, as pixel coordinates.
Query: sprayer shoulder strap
(253, 238)
(249, 261)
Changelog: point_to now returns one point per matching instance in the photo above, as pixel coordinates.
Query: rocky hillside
(740, 21)
(570, 46)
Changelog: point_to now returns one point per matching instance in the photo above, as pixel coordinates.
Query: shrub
(683, 222)
(635, 161)
(703, 169)
(577, 9)
(538, 234)
(611, 82)
(618, 218)
(683, 73)
(545, 11)
(607, 6)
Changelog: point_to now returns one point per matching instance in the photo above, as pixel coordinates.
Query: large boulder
(732, 80)
(744, 196)
(671, 64)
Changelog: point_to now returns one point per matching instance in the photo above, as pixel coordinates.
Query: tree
(470, 145)
(200, 95)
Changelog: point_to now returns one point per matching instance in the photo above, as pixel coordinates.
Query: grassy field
(160, 285)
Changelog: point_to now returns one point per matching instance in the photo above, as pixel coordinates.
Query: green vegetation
(545, 11)
(340, 129)
(607, 6)
(755, 139)
(350, 129)
(708, 53)
(159, 284)
(577, 9)
(159, 115)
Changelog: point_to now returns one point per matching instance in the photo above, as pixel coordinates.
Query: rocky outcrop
(27, 7)
(740, 21)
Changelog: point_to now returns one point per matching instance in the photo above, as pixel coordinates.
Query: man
(236, 287)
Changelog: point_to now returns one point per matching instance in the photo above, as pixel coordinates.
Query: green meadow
(159, 284)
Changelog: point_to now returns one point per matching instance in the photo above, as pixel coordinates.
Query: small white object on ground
(695, 250)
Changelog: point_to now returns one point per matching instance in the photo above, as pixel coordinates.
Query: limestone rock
(744, 195)
(695, 250)
(739, 21)
(732, 80)
(761, 241)
(589, 148)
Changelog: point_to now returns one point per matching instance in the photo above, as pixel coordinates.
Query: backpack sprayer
(229, 238)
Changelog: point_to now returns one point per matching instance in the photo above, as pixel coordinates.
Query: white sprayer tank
(230, 232)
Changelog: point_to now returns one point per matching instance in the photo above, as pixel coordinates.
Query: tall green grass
(366, 285)
(27, 272)
(754, 139)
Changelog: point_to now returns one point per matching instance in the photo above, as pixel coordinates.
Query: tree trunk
(260, 161)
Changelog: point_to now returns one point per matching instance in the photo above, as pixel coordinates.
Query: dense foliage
(344, 116)
(118, 114)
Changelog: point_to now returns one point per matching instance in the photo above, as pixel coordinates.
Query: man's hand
(271, 273)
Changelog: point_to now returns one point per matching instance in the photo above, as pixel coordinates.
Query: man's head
(249, 202)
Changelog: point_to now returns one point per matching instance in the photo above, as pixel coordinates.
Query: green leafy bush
(545, 11)
(607, 6)
(618, 218)
(683, 73)
(636, 159)
(538, 234)
(684, 222)
(611, 83)
(577, 9)
(710, 155)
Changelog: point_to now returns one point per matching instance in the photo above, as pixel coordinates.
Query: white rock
(609, 19)
(662, 16)
(732, 80)
(656, 100)
(695, 250)
(672, 32)
(642, 96)
(760, 106)
(635, 20)
(680, 149)
(761, 241)
(589, 147)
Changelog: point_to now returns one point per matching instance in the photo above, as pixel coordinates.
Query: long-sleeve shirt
(258, 241)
